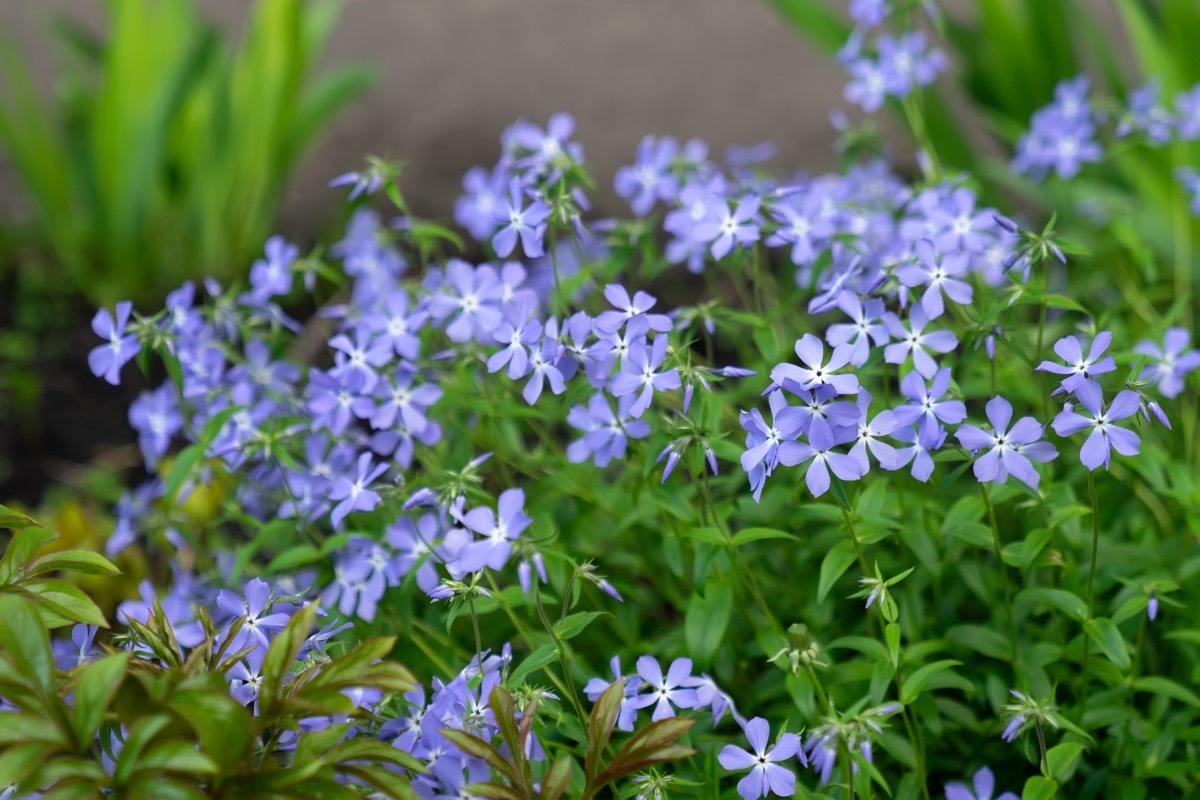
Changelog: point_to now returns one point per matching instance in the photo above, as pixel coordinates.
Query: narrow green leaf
(914, 683)
(95, 688)
(749, 535)
(1167, 688)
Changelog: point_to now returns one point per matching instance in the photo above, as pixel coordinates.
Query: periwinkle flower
(519, 221)
(155, 416)
(650, 178)
(476, 209)
(393, 322)
(725, 227)
(816, 371)
(517, 338)
(629, 308)
(1151, 608)
(762, 440)
(927, 408)
(866, 326)
(1147, 115)
(869, 433)
(1078, 369)
(868, 84)
(474, 300)
(254, 604)
(272, 276)
(358, 359)
(106, 360)
(1170, 362)
(666, 692)
(627, 716)
(917, 341)
(767, 776)
(803, 226)
(818, 451)
(641, 373)
(605, 434)
(1105, 435)
(354, 494)
(907, 61)
(940, 274)
(1009, 451)
(920, 447)
(543, 366)
(499, 528)
(983, 784)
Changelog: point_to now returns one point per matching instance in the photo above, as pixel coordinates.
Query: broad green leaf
(1039, 788)
(914, 683)
(81, 561)
(707, 619)
(836, 561)
(1061, 757)
(1068, 603)
(575, 624)
(95, 687)
(27, 643)
(22, 549)
(539, 658)
(1105, 635)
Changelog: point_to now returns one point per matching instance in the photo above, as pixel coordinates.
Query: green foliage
(167, 721)
(167, 153)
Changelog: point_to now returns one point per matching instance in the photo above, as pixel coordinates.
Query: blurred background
(148, 142)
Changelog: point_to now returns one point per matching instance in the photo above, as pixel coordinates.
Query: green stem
(1087, 640)
(1045, 760)
(475, 627)
(562, 654)
(746, 575)
(1008, 596)
(920, 133)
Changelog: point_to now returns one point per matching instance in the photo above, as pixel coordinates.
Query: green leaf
(81, 561)
(1108, 638)
(557, 779)
(836, 561)
(177, 757)
(914, 683)
(815, 20)
(707, 618)
(891, 633)
(759, 534)
(181, 469)
(1039, 788)
(600, 725)
(983, 640)
(1167, 688)
(28, 644)
(15, 520)
(22, 549)
(66, 600)
(1061, 757)
(575, 624)
(710, 535)
(281, 655)
(95, 687)
(225, 729)
(1068, 603)
(534, 661)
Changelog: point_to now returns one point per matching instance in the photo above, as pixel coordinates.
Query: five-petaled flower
(767, 776)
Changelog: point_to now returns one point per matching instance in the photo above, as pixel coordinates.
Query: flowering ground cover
(834, 486)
